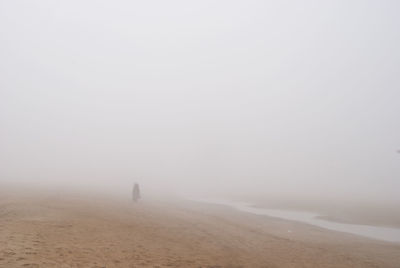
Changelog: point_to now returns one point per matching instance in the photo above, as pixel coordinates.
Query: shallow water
(376, 232)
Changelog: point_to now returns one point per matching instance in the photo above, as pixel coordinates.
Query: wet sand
(376, 213)
(75, 232)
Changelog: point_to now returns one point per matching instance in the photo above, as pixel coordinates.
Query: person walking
(136, 193)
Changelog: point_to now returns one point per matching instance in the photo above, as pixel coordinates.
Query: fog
(226, 97)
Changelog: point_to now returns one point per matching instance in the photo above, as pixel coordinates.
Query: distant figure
(136, 193)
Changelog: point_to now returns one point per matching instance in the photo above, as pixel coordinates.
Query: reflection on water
(376, 232)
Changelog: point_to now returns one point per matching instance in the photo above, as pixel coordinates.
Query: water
(376, 232)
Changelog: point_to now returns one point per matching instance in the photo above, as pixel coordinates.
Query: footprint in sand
(9, 253)
(30, 265)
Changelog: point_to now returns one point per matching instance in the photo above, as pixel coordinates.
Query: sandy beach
(50, 231)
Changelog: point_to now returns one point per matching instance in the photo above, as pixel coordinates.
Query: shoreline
(51, 232)
(387, 234)
(382, 214)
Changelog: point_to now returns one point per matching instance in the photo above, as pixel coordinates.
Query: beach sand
(54, 231)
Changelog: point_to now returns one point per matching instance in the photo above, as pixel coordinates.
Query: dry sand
(72, 232)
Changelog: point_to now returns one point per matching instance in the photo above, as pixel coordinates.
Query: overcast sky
(240, 96)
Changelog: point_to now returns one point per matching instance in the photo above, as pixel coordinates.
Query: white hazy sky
(239, 96)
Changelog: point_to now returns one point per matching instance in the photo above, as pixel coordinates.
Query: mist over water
(258, 98)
